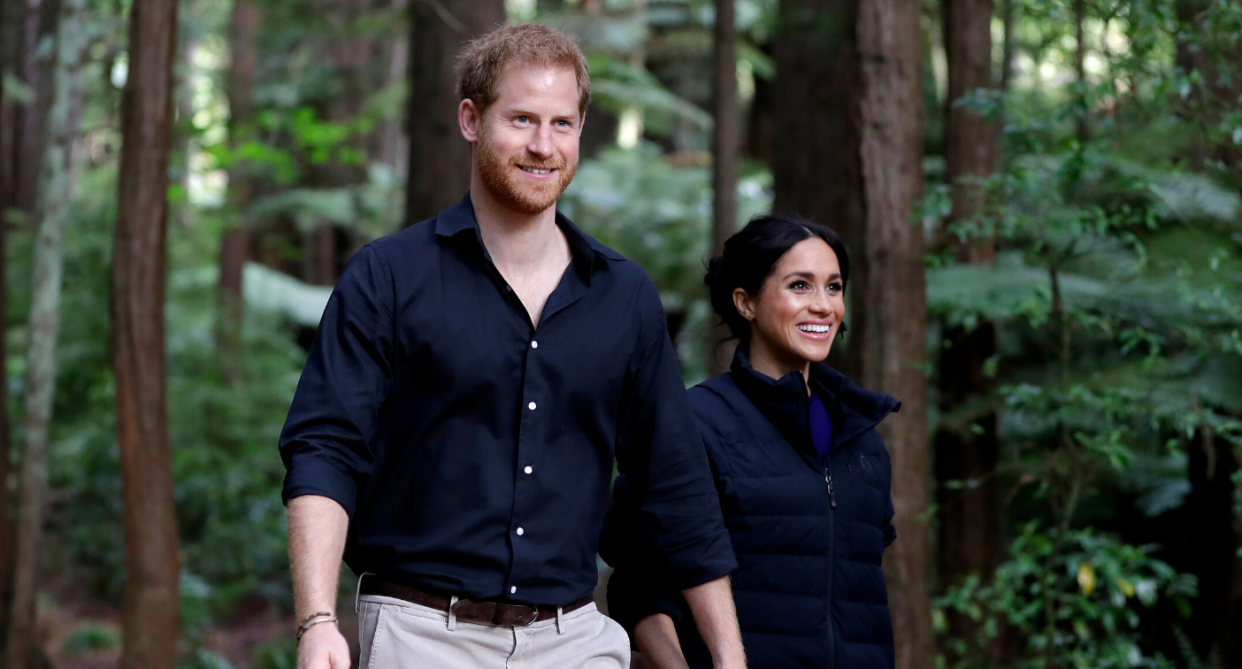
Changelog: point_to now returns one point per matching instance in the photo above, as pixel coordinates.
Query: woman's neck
(764, 360)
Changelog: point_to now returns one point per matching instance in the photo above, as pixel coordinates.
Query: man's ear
(744, 303)
(470, 120)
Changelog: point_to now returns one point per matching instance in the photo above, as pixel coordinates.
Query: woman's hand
(656, 638)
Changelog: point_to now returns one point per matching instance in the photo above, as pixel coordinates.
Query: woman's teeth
(814, 328)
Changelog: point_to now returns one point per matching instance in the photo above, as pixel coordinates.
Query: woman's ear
(744, 303)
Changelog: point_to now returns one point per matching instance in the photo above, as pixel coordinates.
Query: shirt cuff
(634, 594)
(310, 476)
(705, 560)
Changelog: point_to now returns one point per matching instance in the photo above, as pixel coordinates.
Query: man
(471, 382)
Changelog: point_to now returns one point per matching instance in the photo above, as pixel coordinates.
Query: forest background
(1043, 200)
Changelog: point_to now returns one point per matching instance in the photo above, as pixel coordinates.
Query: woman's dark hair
(750, 256)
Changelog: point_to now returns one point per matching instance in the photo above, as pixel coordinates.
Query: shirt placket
(526, 486)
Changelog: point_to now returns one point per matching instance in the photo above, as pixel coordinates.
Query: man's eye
(523, 119)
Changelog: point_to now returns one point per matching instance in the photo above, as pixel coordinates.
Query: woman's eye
(799, 285)
(835, 287)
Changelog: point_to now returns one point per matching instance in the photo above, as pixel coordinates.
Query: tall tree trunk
(8, 56)
(724, 143)
(1009, 46)
(139, 267)
(1082, 122)
(970, 138)
(439, 171)
(394, 146)
(235, 243)
(725, 130)
(38, 30)
(849, 155)
(969, 529)
(891, 286)
(55, 190)
(815, 102)
(1211, 548)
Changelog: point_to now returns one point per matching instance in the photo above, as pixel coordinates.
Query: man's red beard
(504, 180)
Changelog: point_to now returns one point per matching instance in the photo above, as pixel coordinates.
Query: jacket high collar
(785, 403)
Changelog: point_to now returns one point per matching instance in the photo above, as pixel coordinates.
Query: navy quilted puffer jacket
(808, 534)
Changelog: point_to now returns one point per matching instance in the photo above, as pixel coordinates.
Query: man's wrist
(313, 620)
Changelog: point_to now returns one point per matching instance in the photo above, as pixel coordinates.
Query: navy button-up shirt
(472, 451)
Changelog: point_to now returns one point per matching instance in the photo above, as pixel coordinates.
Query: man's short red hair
(482, 61)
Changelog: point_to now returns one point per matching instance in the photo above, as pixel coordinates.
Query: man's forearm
(317, 528)
(712, 606)
(656, 638)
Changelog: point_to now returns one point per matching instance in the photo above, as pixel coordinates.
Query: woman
(802, 475)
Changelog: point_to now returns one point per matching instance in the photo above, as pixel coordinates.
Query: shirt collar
(460, 219)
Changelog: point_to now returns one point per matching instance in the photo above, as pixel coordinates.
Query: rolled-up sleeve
(327, 439)
(670, 493)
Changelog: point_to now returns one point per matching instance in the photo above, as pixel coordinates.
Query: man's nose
(541, 143)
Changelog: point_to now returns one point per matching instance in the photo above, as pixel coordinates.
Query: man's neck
(513, 239)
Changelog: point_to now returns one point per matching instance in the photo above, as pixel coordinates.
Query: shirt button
(528, 469)
(512, 589)
(534, 344)
(531, 406)
(508, 288)
(520, 531)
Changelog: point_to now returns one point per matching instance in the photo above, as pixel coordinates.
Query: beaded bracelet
(314, 619)
(317, 614)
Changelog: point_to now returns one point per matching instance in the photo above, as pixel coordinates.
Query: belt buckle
(534, 616)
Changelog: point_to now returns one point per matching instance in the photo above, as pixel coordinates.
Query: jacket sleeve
(669, 497)
(890, 532)
(326, 441)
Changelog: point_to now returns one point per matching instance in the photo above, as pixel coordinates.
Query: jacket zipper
(832, 552)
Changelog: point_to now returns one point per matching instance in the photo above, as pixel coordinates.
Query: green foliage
(225, 469)
(92, 638)
(280, 654)
(659, 215)
(1077, 598)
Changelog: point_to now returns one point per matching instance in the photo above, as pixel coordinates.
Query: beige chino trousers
(396, 634)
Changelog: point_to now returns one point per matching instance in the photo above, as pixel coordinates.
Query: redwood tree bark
(1210, 547)
(969, 527)
(235, 243)
(1082, 122)
(725, 142)
(439, 171)
(848, 153)
(725, 130)
(55, 177)
(38, 26)
(139, 266)
(891, 291)
(970, 138)
(8, 56)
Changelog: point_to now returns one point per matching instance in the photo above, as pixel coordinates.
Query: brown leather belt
(499, 614)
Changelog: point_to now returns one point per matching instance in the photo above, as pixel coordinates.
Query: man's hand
(656, 638)
(323, 647)
(712, 606)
